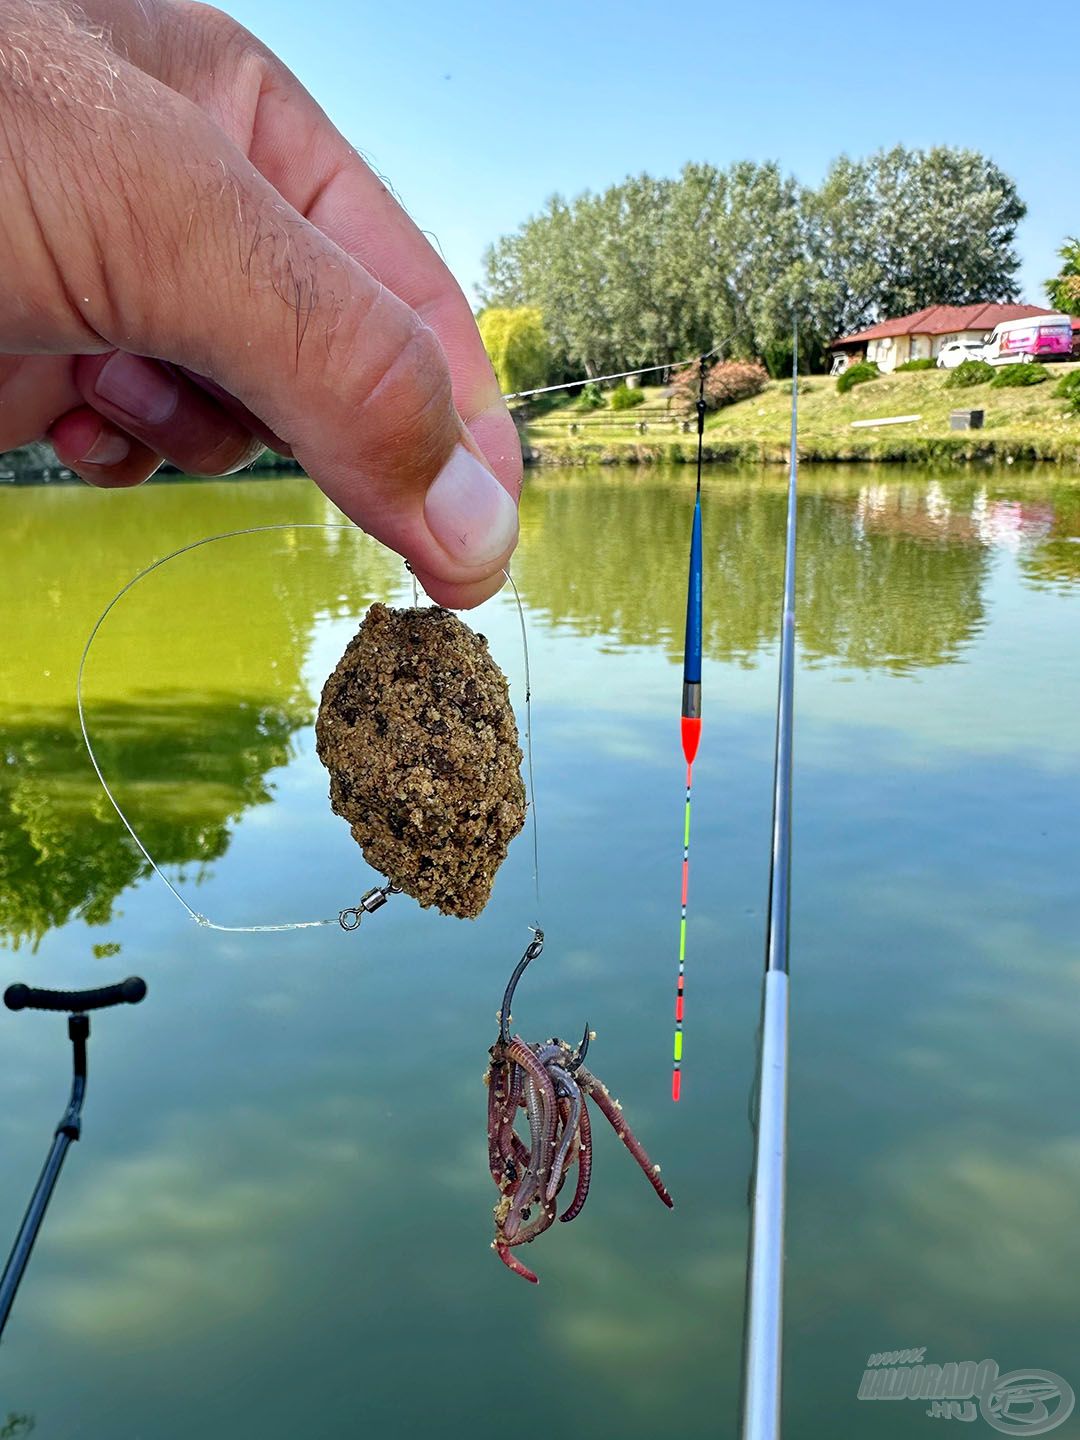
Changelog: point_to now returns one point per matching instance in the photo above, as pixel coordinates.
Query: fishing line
(690, 724)
(529, 750)
(622, 375)
(348, 918)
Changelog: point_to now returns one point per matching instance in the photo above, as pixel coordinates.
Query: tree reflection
(189, 771)
(194, 688)
(897, 589)
(1055, 559)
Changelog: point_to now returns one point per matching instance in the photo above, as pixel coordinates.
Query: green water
(277, 1223)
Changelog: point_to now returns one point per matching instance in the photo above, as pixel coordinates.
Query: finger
(177, 247)
(261, 105)
(168, 414)
(100, 453)
(34, 390)
(233, 407)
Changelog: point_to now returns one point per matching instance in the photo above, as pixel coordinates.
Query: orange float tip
(676, 1084)
(691, 736)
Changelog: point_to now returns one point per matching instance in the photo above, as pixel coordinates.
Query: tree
(653, 270)
(910, 228)
(516, 345)
(1064, 290)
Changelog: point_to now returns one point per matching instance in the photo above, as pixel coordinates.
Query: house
(920, 336)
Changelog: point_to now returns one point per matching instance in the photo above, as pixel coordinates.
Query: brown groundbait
(416, 730)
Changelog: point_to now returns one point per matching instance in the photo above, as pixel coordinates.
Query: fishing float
(690, 725)
(763, 1336)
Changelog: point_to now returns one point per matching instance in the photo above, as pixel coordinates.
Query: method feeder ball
(416, 729)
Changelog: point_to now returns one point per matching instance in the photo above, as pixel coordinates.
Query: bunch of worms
(550, 1083)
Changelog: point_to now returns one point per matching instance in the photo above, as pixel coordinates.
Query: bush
(1011, 377)
(623, 398)
(1068, 388)
(725, 383)
(777, 357)
(968, 373)
(857, 375)
(915, 365)
(591, 398)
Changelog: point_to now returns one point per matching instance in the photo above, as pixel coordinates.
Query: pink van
(1041, 337)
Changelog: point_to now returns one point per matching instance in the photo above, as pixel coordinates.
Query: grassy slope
(1025, 424)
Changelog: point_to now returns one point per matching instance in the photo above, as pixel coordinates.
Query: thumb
(172, 245)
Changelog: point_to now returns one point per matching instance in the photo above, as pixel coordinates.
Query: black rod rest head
(29, 997)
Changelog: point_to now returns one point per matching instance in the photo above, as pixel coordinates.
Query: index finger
(263, 107)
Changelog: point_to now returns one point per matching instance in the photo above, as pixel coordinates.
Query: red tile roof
(947, 320)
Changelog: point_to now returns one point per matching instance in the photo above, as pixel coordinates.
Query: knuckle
(216, 36)
(407, 413)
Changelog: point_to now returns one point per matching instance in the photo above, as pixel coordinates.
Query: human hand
(168, 189)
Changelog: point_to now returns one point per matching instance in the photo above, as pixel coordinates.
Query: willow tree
(517, 346)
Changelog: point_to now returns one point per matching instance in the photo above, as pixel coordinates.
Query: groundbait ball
(416, 730)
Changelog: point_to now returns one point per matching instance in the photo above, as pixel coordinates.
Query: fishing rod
(76, 1003)
(763, 1337)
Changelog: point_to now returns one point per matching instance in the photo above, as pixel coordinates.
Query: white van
(1040, 337)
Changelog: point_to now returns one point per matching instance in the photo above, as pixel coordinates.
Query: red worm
(522, 1055)
(513, 1263)
(584, 1165)
(614, 1115)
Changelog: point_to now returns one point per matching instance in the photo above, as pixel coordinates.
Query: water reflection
(194, 689)
(277, 1202)
(891, 573)
(197, 687)
(191, 770)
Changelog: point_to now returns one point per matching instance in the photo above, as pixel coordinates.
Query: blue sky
(477, 112)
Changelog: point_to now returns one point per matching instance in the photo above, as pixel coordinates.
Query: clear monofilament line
(196, 915)
(690, 724)
(272, 928)
(676, 1073)
(529, 748)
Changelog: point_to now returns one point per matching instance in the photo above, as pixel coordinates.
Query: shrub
(725, 383)
(623, 398)
(916, 365)
(1011, 377)
(1068, 389)
(857, 375)
(968, 373)
(591, 398)
(777, 357)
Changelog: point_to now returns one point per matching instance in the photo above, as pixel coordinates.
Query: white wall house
(921, 335)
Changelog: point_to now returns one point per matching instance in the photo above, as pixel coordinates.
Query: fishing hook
(532, 950)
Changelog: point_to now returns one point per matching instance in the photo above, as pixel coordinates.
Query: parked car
(957, 351)
(1044, 337)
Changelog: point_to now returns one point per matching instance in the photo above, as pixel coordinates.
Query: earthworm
(522, 1055)
(573, 1210)
(567, 1087)
(613, 1114)
(513, 1263)
(532, 1180)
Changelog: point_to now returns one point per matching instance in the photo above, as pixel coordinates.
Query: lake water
(277, 1223)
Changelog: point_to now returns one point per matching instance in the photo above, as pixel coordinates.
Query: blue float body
(692, 653)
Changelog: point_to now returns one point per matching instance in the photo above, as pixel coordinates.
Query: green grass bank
(1028, 424)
